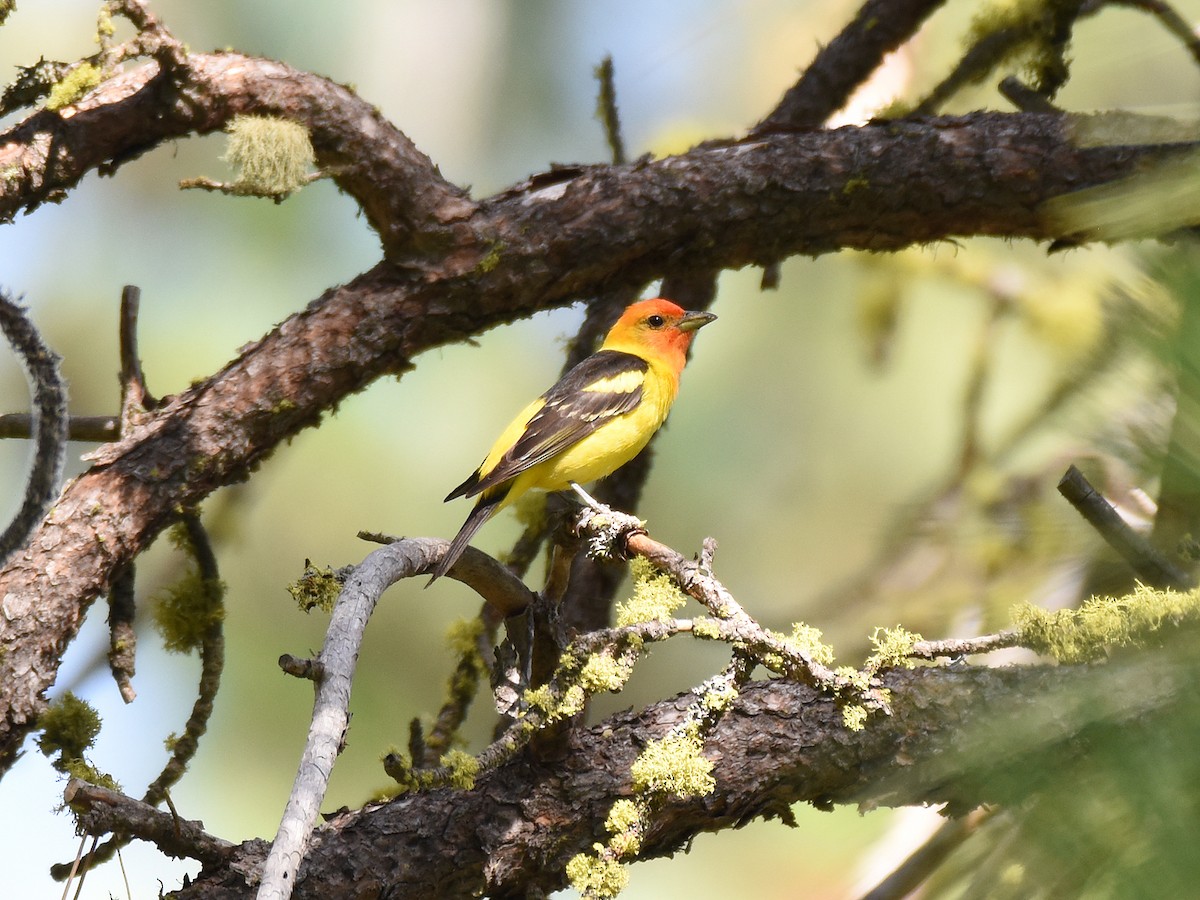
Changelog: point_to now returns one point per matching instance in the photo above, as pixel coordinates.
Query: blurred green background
(811, 419)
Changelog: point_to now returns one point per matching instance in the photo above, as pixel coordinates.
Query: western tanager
(597, 417)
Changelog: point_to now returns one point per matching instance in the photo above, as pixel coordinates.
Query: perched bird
(597, 417)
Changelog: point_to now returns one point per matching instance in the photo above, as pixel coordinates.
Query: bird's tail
(484, 510)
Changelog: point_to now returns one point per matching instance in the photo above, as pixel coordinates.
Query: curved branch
(49, 422)
(334, 676)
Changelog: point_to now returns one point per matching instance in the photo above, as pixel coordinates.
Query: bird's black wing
(603, 386)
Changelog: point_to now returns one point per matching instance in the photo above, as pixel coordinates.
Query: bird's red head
(656, 328)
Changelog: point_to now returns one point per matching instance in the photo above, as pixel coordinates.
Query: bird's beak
(693, 320)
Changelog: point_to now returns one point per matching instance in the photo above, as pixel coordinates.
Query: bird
(596, 418)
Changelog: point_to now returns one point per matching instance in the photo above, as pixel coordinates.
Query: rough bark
(958, 736)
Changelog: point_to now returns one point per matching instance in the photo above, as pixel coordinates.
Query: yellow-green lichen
(706, 629)
(596, 877)
(602, 672)
(462, 637)
(540, 698)
(858, 681)
(625, 814)
(655, 596)
(1080, 635)
(104, 24)
(807, 639)
(272, 156)
(490, 260)
(719, 697)
(625, 822)
(674, 765)
(462, 766)
(892, 648)
(316, 588)
(572, 703)
(854, 717)
(74, 85)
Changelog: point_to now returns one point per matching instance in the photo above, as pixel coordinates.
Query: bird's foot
(610, 528)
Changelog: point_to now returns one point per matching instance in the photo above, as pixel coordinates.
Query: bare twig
(955, 648)
(926, 859)
(49, 420)
(122, 638)
(134, 395)
(606, 110)
(1150, 565)
(88, 429)
(1166, 15)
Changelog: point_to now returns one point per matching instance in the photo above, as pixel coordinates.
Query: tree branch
(879, 187)
(961, 736)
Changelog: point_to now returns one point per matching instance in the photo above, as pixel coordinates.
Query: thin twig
(1176, 24)
(606, 110)
(134, 395)
(88, 429)
(122, 637)
(956, 648)
(1150, 565)
(927, 858)
(49, 424)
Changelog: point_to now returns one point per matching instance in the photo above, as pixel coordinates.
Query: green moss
(69, 728)
(316, 588)
(1080, 635)
(854, 185)
(187, 609)
(463, 768)
(596, 877)
(85, 771)
(674, 765)
(655, 596)
(74, 85)
(272, 155)
(1032, 25)
(490, 260)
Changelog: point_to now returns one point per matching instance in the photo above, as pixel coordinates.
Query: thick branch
(404, 197)
(961, 736)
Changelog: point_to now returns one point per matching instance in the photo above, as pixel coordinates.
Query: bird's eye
(656, 321)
